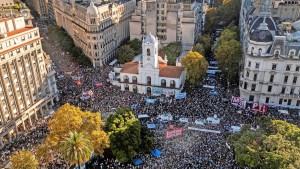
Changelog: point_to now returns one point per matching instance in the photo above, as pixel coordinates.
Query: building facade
(169, 20)
(51, 10)
(27, 81)
(5, 3)
(97, 27)
(151, 74)
(271, 63)
(40, 6)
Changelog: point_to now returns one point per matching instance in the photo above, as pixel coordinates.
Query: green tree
(212, 19)
(228, 55)
(24, 160)
(199, 48)
(274, 147)
(126, 134)
(172, 50)
(196, 66)
(76, 149)
(125, 54)
(227, 35)
(206, 41)
(70, 119)
(135, 45)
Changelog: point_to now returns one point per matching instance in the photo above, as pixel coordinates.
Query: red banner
(257, 107)
(169, 134)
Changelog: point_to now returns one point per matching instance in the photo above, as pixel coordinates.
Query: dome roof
(92, 9)
(149, 39)
(261, 36)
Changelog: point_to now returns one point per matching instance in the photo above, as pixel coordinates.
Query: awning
(137, 161)
(156, 153)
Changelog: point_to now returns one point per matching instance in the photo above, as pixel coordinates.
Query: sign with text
(172, 133)
(157, 90)
(238, 102)
(168, 92)
(180, 95)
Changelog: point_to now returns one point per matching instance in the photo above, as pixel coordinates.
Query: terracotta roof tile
(164, 71)
(171, 71)
(17, 31)
(130, 67)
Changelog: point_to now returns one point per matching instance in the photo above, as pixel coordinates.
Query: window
(295, 79)
(247, 74)
(255, 77)
(269, 88)
(292, 90)
(286, 78)
(288, 67)
(251, 98)
(245, 85)
(172, 84)
(276, 53)
(148, 52)
(289, 102)
(257, 65)
(267, 99)
(274, 66)
(280, 101)
(297, 68)
(283, 89)
(253, 86)
(271, 78)
(249, 64)
(298, 103)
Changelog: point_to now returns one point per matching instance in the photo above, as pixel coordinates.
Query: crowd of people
(195, 149)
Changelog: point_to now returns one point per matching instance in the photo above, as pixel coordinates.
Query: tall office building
(27, 81)
(169, 20)
(97, 27)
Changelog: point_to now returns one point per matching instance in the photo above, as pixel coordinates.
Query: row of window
(162, 82)
(274, 66)
(283, 89)
(286, 78)
(281, 101)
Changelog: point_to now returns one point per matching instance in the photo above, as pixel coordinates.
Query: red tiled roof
(164, 71)
(171, 71)
(16, 47)
(17, 31)
(130, 67)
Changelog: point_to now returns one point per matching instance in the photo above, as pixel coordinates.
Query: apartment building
(5, 3)
(271, 62)
(169, 20)
(97, 27)
(22, 12)
(40, 6)
(27, 81)
(51, 10)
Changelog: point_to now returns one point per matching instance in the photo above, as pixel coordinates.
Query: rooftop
(17, 31)
(164, 70)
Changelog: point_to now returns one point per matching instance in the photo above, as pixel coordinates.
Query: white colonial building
(271, 62)
(151, 74)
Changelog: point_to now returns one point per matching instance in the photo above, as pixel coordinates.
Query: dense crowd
(194, 149)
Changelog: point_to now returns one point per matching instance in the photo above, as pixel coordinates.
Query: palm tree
(76, 149)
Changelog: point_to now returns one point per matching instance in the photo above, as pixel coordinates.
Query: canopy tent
(234, 129)
(151, 126)
(137, 161)
(199, 122)
(143, 116)
(213, 120)
(156, 153)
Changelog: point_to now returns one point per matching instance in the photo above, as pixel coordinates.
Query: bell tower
(150, 51)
